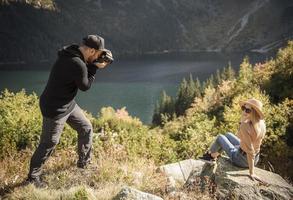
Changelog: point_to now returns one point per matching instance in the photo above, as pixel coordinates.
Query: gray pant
(51, 132)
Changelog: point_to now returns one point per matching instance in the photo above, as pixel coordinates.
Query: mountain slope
(34, 30)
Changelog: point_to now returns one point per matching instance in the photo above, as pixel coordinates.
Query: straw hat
(255, 104)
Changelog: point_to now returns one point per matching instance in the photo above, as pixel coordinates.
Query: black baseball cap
(94, 41)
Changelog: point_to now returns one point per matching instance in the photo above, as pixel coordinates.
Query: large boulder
(128, 193)
(223, 180)
(180, 171)
(226, 181)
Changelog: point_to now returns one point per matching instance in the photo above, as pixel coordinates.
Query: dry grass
(13, 170)
(103, 180)
(30, 192)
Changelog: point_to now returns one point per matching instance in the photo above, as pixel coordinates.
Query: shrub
(276, 76)
(120, 132)
(192, 135)
(20, 121)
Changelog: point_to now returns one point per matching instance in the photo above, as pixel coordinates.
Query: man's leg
(51, 132)
(78, 121)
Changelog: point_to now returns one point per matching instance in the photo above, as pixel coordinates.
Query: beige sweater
(250, 141)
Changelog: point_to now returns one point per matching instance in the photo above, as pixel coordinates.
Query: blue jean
(231, 145)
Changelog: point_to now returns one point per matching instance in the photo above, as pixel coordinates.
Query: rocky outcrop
(128, 193)
(226, 181)
(180, 171)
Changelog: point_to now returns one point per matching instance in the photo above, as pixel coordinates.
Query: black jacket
(68, 74)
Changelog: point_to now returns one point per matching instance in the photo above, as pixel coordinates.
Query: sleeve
(84, 75)
(92, 69)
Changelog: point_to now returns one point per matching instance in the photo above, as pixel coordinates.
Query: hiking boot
(87, 165)
(37, 182)
(207, 158)
(83, 165)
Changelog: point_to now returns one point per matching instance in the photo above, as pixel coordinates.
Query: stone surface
(226, 181)
(128, 193)
(180, 171)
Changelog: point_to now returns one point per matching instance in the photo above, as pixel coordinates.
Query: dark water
(134, 82)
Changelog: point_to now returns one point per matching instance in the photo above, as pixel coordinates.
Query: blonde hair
(258, 124)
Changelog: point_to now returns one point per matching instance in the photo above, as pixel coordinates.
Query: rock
(234, 181)
(203, 180)
(180, 171)
(128, 193)
(171, 185)
(226, 181)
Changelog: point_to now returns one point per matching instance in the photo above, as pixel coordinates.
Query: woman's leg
(238, 159)
(233, 139)
(222, 143)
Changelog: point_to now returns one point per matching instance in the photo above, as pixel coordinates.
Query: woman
(244, 149)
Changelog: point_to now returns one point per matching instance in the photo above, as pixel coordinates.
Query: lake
(133, 82)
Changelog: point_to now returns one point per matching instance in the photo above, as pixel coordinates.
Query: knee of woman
(220, 137)
(229, 133)
(241, 165)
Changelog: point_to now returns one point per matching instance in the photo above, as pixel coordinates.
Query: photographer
(74, 69)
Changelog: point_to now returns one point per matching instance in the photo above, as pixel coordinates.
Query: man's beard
(90, 59)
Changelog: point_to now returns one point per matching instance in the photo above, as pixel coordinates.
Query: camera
(106, 56)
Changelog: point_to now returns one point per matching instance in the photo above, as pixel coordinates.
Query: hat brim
(259, 112)
(104, 50)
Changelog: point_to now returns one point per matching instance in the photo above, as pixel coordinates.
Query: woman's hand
(256, 178)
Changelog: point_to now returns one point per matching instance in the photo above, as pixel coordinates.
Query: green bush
(276, 76)
(120, 132)
(192, 135)
(81, 194)
(21, 123)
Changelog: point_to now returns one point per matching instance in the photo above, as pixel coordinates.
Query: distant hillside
(33, 30)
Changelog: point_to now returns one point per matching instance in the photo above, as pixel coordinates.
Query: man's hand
(101, 65)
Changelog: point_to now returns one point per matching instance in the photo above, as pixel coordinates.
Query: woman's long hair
(258, 124)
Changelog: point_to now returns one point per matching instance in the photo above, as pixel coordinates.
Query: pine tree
(186, 94)
(197, 88)
(245, 77)
(180, 103)
(218, 80)
(167, 104)
(210, 82)
(156, 116)
(191, 85)
(165, 107)
(229, 72)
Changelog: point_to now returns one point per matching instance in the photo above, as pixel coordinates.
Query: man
(74, 69)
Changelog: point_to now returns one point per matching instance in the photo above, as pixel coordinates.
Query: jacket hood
(70, 51)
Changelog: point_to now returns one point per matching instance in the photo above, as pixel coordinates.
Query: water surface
(134, 82)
